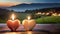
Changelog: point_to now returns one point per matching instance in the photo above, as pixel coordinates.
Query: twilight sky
(15, 2)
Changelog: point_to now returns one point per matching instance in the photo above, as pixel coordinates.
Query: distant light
(38, 13)
(43, 13)
(47, 13)
(54, 14)
(58, 14)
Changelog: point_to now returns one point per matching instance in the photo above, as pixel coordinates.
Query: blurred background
(43, 11)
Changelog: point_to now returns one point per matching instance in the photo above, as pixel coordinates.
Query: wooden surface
(38, 29)
(48, 27)
(28, 32)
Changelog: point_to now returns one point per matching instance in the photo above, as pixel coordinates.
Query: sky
(15, 2)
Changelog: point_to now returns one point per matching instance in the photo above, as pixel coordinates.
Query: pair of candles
(15, 23)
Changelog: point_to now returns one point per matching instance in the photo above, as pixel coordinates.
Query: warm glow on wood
(13, 33)
(29, 32)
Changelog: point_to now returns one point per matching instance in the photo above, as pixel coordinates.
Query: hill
(32, 6)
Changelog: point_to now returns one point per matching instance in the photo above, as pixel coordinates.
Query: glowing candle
(13, 24)
(29, 23)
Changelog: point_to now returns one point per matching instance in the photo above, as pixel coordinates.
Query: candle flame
(12, 17)
(29, 17)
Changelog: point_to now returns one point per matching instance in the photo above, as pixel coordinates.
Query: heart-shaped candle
(13, 24)
(29, 23)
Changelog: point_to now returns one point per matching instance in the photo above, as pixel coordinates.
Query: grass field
(49, 20)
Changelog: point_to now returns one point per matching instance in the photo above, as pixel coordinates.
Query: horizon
(7, 4)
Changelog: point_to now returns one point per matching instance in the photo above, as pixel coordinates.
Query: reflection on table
(28, 32)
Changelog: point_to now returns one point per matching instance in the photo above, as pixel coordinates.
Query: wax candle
(13, 24)
(28, 23)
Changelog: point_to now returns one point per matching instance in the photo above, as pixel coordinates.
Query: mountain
(32, 6)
